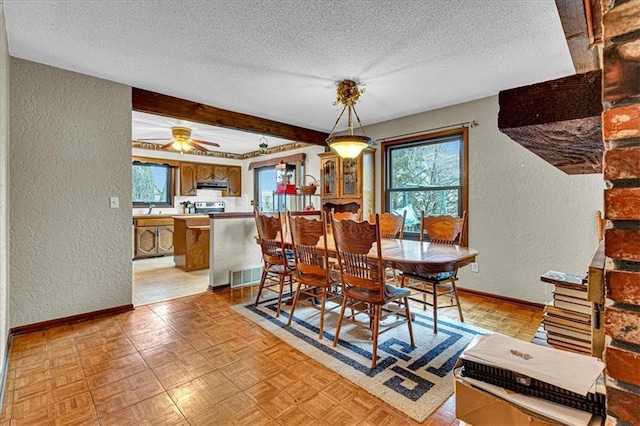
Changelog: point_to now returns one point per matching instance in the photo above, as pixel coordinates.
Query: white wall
(4, 194)
(525, 216)
(70, 151)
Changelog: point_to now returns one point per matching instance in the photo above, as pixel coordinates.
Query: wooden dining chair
(363, 283)
(315, 278)
(391, 226)
(441, 230)
(277, 264)
(345, 215)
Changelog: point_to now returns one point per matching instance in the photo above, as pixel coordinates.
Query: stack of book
(567, 319)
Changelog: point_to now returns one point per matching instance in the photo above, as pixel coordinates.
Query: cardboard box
(477, 407)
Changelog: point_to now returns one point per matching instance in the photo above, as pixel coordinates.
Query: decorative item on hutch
(285, 176)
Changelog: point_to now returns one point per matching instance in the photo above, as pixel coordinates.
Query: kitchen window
(152, 184)
(426, 173)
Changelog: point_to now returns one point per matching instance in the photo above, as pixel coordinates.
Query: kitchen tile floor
(194, 360)
(157, 279)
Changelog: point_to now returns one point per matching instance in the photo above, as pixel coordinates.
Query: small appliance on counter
(207, 207)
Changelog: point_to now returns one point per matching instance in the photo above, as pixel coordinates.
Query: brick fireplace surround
(621, 133)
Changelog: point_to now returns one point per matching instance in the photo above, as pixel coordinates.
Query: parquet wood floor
(194, 361)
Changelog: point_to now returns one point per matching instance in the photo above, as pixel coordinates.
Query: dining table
(412, 256)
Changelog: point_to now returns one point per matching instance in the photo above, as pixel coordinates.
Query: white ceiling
(281, 59)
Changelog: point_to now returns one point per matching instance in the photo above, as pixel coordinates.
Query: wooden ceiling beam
(558, 120)
(577, 18)
(168, 106)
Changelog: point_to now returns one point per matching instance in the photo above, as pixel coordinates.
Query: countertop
(151, 216)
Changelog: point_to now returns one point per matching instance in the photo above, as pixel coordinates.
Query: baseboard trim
(5, 369)
(219, 288)
(501, 298)
(39, 326)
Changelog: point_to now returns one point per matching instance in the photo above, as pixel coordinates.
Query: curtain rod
(472, 123)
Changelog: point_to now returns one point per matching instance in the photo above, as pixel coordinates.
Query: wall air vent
(245, 277)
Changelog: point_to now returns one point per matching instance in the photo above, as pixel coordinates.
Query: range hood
(220, 185)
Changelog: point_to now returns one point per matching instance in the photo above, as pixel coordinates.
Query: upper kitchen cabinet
(188, 175)
(193, 173)
(205, 172)
(347, 184)
(234, 181)
(220, 173)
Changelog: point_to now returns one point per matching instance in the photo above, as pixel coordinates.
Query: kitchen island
(191, 242)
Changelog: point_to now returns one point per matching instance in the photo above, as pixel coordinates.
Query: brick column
(621, 131)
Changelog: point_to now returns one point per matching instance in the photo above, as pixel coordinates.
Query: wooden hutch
(348, 184)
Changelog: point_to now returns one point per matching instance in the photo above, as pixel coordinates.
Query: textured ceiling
(280, 59)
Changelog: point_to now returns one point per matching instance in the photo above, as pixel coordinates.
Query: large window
(427, 174)
(152, 184)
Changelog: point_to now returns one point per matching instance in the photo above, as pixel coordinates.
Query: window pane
(426, 165)
(151, 184)
(265, 187)
(433, 203)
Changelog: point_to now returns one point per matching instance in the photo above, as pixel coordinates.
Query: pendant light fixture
(263, 147)
(349, 145)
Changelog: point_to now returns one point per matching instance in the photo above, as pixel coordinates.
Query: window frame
(172, 177)
(386, 146)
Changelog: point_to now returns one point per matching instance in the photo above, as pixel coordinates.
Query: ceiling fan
(182, 141)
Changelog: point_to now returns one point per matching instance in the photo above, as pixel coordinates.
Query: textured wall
(4, 193)
(232, 248)
(70, 151)
(525, 216)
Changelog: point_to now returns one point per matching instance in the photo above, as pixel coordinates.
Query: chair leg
(408, 314)
(294, 303)
(424, 298)
(376, 324)
(261, 286)
(455, 293)
(435, 308)
(344, 307)
(323, 301)
(280, 291)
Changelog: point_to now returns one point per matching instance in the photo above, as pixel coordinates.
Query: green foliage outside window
(425, 176)
(151, 184)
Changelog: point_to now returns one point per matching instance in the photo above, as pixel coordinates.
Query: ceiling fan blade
(207, 143)
(167, 145)
(197, 147)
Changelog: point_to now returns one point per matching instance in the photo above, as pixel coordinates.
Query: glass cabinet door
(350, 181)
(330, 177)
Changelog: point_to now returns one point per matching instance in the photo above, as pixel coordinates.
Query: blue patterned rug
(414, 380)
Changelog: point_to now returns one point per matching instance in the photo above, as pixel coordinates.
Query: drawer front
(160, 221)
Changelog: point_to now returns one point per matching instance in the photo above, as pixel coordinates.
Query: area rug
(415, 380)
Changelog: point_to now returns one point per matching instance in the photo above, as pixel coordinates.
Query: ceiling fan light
(349, 146)
(177, 145)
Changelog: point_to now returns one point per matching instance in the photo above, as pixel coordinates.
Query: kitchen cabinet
(192, 243)
(205, 172)
(192, 173)
(188, 175)
(234, 181)
(220, 173)
(347, 184)
(153, 237)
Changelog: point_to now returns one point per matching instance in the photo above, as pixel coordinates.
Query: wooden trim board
(498, 297)
(39, 326)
